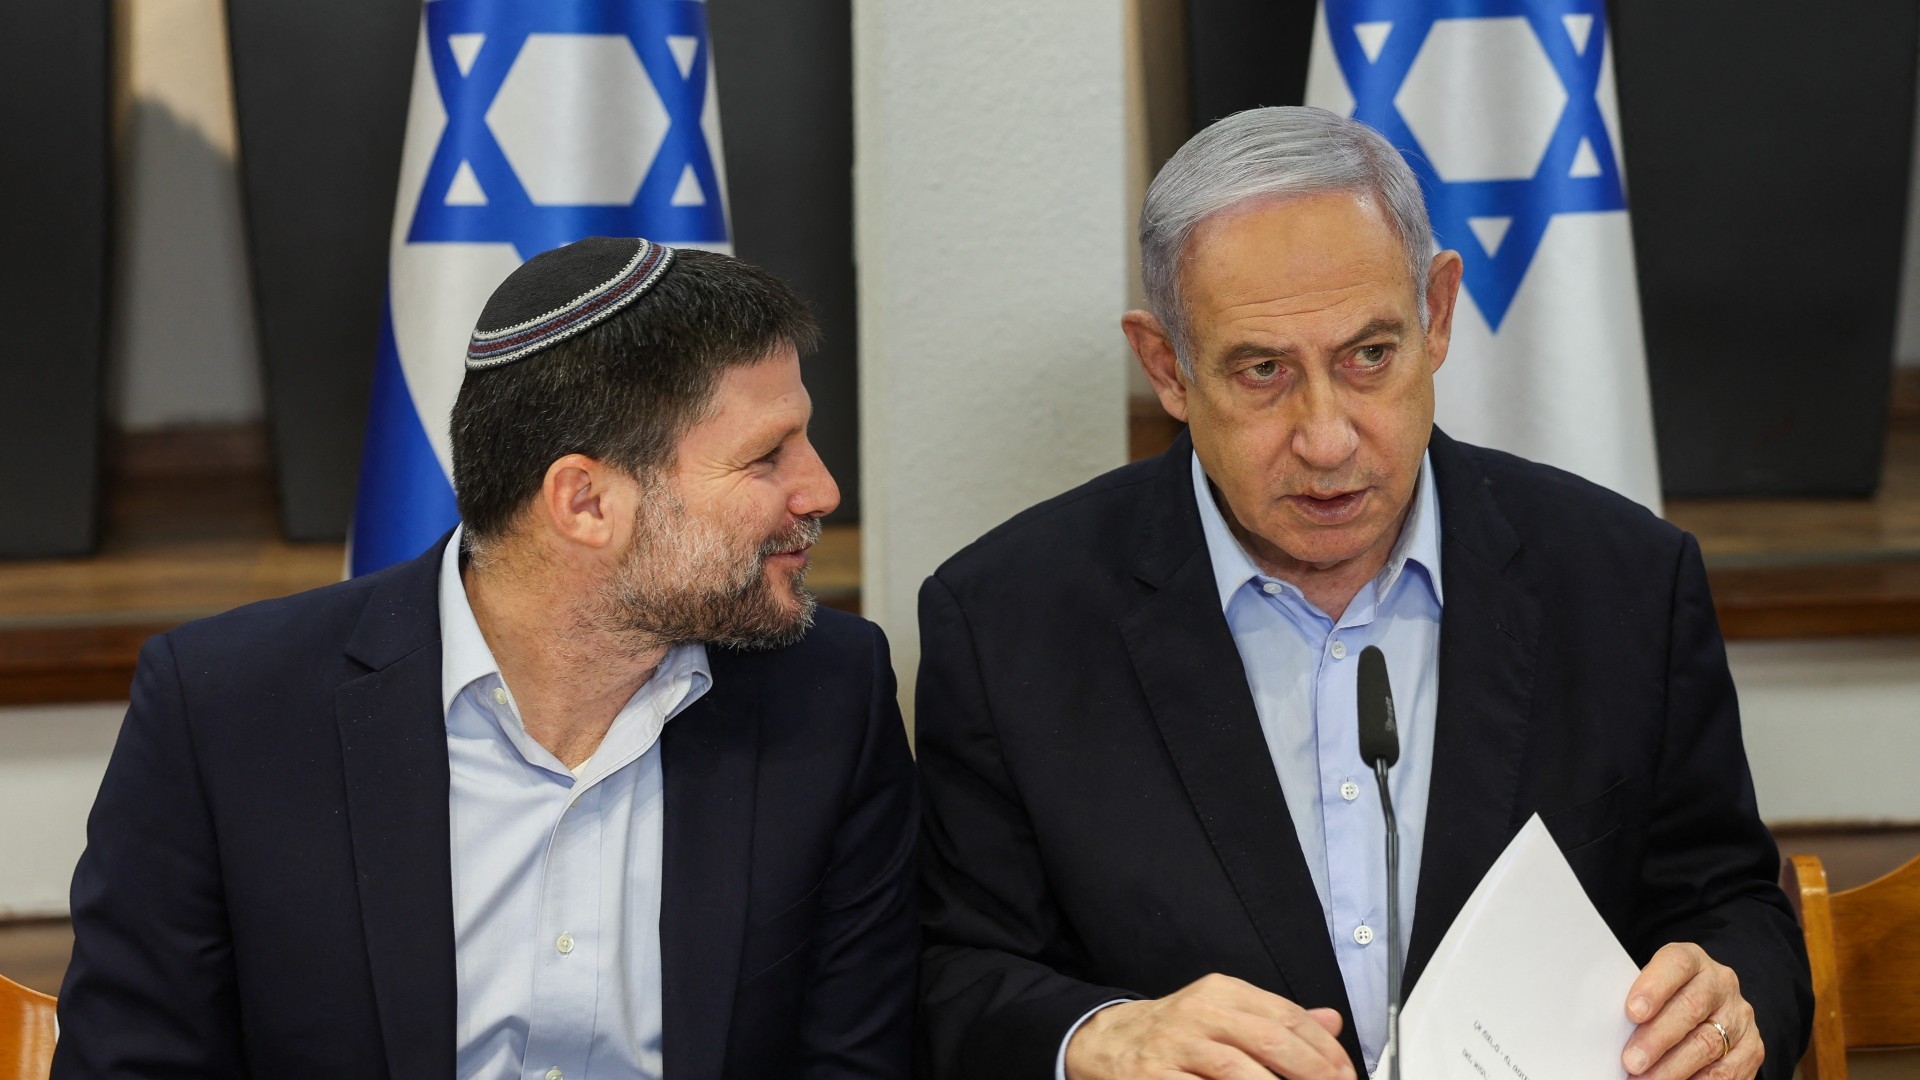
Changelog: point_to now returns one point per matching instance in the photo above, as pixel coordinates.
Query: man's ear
(1443, 290)
(584, 501)
(1154, 347)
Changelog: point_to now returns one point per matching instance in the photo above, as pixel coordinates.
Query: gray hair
(1262, 153)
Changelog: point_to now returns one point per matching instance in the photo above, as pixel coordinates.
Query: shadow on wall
(183, 348)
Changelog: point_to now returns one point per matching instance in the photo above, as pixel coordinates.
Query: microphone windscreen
(1379, 735)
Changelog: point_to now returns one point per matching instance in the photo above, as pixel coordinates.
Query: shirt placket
(565, 974)
(1350, 818)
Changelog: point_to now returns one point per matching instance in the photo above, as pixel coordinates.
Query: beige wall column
(992, 211)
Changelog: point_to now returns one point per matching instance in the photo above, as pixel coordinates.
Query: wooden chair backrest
(26, 1032)
(1864, 947)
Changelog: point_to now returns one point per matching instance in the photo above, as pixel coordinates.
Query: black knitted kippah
(556, 294)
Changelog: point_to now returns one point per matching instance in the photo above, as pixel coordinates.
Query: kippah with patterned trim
(556, 294)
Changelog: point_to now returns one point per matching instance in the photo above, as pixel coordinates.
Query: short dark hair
(623, 392)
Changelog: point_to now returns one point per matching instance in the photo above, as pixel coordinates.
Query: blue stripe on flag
(405, 501)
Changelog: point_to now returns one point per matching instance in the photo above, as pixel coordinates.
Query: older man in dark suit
(1146, 853)
(586, 791)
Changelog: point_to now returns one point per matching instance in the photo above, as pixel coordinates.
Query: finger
(1738, 1065)
(1697, 1051)
(1300, 1048)
(1327, 1018)
(1749, 1050)
(1319, 1028)
(1242, 996)
(1259, 1006)
(1745, 1061)
(1221, 1061)
(1685, 1010)
(1258, 1022)
(1670, 969)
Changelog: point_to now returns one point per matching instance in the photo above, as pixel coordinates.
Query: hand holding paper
(1692, 1016)
(1530, 984)
(1527, 984)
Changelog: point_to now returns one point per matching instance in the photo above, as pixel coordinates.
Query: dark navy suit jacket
(1103, 815)
(266, 889)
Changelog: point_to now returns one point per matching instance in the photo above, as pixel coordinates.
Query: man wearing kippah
(1151, 845)
(588, 791)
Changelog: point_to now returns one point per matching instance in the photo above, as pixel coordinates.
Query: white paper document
(1528, 984)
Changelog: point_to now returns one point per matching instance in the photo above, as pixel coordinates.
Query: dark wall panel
(1768, 145)
(54, 213)
(1243, 54)
(321, 94)
(785, 69)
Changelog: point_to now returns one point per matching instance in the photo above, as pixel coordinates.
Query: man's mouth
(791, 549)
(1333, 508)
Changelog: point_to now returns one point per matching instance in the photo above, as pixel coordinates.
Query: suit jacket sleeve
(1711, 867)
(858, 1015)
(994, 1001)
(151, 988)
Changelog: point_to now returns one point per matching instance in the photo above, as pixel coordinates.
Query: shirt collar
(465, 657)
(1419, 540)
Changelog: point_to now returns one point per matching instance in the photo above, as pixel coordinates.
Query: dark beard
(679, 585)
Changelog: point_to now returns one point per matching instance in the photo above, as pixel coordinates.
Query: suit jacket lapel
(1190, 669)
(1488, 636)
(709, 756)
(393, 746)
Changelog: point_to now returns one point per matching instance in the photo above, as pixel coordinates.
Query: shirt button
(499, 695)
(565, 944)
(1350, 791)
(555, 1074)
(1362, 935)
(1271, 587)
(1339, 650)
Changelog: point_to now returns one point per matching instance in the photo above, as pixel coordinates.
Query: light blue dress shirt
(556, 871)
(1302, 667)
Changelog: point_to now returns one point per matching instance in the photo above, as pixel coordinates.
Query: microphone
(1380, 748)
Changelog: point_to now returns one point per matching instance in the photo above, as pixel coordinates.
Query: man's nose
(814, 492)
(1325, 436)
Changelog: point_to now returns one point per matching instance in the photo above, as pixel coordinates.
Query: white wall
(991, 214)
(51, 761)
(1832, 730)
(1832, 727)
(182, 322)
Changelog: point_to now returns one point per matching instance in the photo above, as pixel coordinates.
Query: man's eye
(1264, 370)
(1372, 355)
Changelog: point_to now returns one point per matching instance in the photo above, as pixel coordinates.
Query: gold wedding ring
(1726, 1044)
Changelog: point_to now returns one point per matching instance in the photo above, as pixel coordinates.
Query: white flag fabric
(1507, 113)
(531, 125)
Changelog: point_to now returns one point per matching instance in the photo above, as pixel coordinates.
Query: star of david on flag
(1506, 111)
(530, 125)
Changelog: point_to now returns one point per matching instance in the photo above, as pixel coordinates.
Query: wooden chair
(1864, 945)
(26, 1032)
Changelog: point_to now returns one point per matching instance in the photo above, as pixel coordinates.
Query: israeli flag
(1507, 112)
(531, 125)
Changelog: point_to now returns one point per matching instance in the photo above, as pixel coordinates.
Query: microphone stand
(1393, 922)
